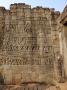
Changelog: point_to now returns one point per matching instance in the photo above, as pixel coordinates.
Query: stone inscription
(27, 38)
(28, 52)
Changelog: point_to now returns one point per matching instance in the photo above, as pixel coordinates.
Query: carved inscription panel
(27, 49)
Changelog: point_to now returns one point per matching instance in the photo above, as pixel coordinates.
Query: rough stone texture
(29, 45)
(27, 87)
(63, 21)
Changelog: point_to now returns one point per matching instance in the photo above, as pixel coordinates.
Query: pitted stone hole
(24, 88)
(1, 79)
(39, 87)
(28, 88)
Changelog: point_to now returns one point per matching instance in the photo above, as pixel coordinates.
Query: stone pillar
(65, 49)
(63, 21)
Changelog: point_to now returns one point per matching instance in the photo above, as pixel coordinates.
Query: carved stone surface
(29, 46)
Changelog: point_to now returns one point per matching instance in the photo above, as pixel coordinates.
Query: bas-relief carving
(28, 43)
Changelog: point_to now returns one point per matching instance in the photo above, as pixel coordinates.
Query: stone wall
(29, 44)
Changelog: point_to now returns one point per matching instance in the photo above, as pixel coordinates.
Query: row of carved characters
(32, 18)
(28, 47)
(24, 40)
(26, 61)
(39, 18)
(19, 40)
(41, 21)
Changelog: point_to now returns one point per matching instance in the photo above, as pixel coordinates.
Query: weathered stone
(30, 45)
(63, 32)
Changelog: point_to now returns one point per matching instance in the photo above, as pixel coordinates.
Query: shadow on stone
(1, 79)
